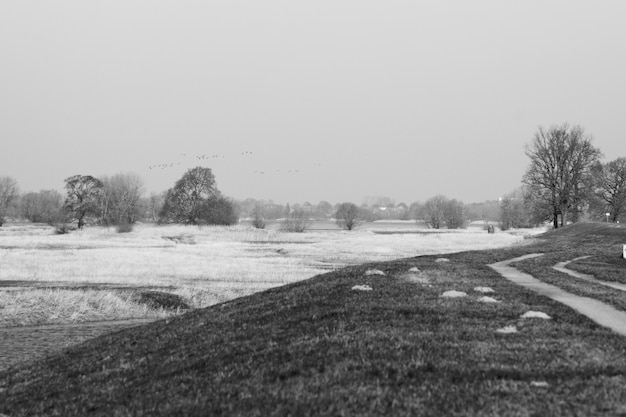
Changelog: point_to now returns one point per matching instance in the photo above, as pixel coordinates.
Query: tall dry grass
(215, 264)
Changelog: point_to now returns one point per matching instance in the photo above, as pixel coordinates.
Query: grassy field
(320, 347)
(155, 272)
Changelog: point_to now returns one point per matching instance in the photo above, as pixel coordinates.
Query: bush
(219, 211)
(348, 216)
(124, 227)
(297, 222)
(258, 220)
(63, 228)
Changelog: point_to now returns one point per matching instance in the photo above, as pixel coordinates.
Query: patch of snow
(454, 294)
(535, 314)
(414, 269)
(362, 288)
(374, 272)
(488, 300)
(484, 290)
(542, 384)
(442, 260)
(507, 329)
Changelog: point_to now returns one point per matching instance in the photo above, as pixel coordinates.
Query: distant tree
(184, 202)
(402, 212)
(347, 216)
(434, 210)
(9, 192)
(558, 178)
(454, 214)
(415, 211)
(42, 207)
(218, 210)
(513, 213)
(151, 206)
(83, 193)
(488, 210)
(273, 211)
(119, 199)
(610, 189)
(323, 210)
(297, 221)
(258, 217)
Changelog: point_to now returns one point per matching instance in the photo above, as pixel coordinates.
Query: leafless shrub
(297, 222)
(258, 219)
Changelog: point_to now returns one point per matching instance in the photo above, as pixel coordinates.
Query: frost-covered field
(203, 265)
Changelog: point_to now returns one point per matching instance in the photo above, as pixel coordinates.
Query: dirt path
(22, 344)
(562, 267)
(597, 311)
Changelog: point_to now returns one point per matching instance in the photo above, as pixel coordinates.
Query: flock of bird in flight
(217, 156)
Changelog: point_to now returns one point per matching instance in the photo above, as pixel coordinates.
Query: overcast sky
(405, 99)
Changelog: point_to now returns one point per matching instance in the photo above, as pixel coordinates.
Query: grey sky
(404, 99)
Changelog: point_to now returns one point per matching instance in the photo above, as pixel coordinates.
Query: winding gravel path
(601, 313)
(562, 267)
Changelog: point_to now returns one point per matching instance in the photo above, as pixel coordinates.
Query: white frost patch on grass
(535, 314)
(440, 260)
(488, 300)
(454, 294)
(374, 272)
(507, 329)
(414, 269)
(362, 288)
(484, 290)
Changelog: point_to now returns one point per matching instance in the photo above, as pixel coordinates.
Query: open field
(356, 342)
(158, 271)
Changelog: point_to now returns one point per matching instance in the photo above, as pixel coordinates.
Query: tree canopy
(82, 198)
(558, 179)
(195, 199)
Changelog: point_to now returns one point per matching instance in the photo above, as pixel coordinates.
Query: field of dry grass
(96, 273)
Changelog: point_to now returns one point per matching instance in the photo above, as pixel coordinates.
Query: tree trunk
(555, 219)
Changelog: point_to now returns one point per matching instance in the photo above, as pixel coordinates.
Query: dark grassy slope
(319, 348)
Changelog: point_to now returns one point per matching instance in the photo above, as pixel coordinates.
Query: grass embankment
(318, 347)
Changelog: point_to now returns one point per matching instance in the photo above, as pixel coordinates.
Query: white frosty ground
(484, 290)
(535, 314)
(454, 294)
(507, 329)
(362, 288)
(374, 272)
(488, 300)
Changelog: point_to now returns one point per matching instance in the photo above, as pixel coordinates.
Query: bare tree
(610, 188)
(557, 179)
(119, 199)
(454, 214)
(433, 211)
(347, 216)
(258, 217)
(297, 221)
(43, 206)
(513, 211)
(83, 192)
(9, 193)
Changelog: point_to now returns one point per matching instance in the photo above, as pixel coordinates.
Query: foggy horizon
(362, 99)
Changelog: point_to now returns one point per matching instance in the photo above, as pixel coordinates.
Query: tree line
(565, 181)
(118, 201)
